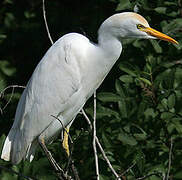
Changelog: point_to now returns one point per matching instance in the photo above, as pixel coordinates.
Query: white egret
(68, 74)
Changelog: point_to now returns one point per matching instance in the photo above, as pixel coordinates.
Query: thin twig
(18, 174)
(180, 7)
(126, 171)
(170, 158)
(58, 170)
(11, 86)
(94, 139)
(86, 117)
(107, 160)
(101, 149)
(9, 100)
(146, 176)
(75, 172)
(45, 20)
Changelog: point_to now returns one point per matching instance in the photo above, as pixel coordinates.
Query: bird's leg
(49, 156)
(65, 141)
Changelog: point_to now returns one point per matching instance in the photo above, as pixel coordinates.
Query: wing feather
(54, 83)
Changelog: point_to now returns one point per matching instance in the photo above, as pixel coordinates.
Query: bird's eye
(140, 26)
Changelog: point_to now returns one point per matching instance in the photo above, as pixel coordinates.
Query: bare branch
(180, 7)
(45, 20)
(94, 139)
(9, 100)
(75, 172)
(170, 158)
(100, 147)
(107, 160)
(127, 170)
(11, 86)
(86, 117)
(148, 175)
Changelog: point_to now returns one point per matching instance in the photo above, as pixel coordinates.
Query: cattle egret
(68, 74)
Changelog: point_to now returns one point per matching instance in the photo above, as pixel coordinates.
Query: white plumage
(68, 74)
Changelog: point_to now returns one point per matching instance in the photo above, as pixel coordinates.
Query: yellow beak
(159, 35)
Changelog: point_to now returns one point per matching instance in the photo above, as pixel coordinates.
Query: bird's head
(131, 25)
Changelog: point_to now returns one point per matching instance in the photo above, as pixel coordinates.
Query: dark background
(139, 105)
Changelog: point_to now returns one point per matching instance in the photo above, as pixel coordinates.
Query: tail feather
(6, 150)
(15, 146)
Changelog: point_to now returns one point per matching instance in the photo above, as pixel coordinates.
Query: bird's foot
(65, 141)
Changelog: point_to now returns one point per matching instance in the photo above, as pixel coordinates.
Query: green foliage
(139, 105)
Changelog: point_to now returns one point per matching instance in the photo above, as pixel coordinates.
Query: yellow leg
(65, 141)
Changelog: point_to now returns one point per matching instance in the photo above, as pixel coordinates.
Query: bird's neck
(105, 55)
(110, 47)
(101, 59)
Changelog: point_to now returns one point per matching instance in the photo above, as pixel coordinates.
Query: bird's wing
(55, 81)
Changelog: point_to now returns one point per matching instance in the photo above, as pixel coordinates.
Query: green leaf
(9, 19)
(158, 168)
(29, 15)
(126, 78)
(127, 139)
(178, 126)
(119, 89)
(6, 68)
(123, 5)
(103, 177)
(164, 102)
(108, 97)
(156, 46)
(103, 111)
(171, 101)
(7, 2)
(140, 160)
(123, 108)
(146, 81)
(167, 115)
(148, 66)
(170, 127)
(2, 37)
(169, 3)
(139, 136)
(126, 68)
(2, 84)
(149, 113)
(160, 10)
(106, 141)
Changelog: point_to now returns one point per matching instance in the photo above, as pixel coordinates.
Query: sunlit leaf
(146, 81)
